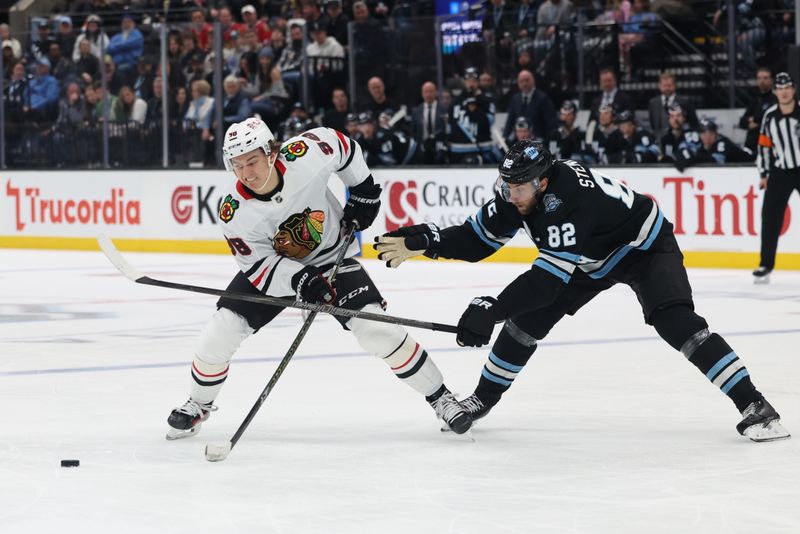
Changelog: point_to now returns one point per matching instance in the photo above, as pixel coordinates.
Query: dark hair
(250, 59)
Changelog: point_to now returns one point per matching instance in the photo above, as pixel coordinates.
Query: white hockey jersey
(274, 236)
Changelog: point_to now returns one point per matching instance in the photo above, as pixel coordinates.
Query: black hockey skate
(185, 421)
(476, 407)
(761, 275)
(761, 422)
(449, 410)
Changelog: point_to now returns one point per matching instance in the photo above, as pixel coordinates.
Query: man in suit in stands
(659, 105)
(428, 122)
(611, 95)
(533, 104)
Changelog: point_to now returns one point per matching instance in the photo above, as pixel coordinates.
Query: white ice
(607, 430)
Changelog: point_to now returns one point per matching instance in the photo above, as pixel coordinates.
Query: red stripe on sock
(416, 349)
(194, 368)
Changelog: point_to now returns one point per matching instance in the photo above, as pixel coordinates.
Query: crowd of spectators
(55, 104)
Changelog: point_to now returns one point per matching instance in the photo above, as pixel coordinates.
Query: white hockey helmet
(246, 136)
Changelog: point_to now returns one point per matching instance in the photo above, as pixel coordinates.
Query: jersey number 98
(238, 246)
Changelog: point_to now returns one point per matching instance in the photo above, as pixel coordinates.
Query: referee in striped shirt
(778, 164)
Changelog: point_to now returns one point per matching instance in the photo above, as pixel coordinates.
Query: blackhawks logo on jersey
(300, 234)
(295, 150)
(228, 208)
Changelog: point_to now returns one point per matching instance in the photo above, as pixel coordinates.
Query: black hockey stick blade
(114, 256)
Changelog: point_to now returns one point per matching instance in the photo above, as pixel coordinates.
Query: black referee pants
(780, 185)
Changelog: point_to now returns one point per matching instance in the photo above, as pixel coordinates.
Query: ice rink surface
(607, 430)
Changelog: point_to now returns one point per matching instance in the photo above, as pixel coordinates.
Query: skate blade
(772, 431)
(174, 433)
(761, 280)
(446, 428)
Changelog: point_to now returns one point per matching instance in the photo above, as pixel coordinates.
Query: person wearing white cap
(251, 21)
(95, 35)
(5, 37)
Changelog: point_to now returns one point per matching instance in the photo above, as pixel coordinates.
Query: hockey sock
(404, 356)
(717, 360)
(207, 380)
(510, 352)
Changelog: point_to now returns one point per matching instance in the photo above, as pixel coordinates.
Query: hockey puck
(70, 463)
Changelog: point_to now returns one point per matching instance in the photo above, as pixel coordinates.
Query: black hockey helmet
(783, 79)
(526, 161)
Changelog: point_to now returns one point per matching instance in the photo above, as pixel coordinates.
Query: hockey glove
(363, 204)
(477, 322)
(311, 286)
(396, 247)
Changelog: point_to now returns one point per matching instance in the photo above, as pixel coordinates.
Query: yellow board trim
(709, 259)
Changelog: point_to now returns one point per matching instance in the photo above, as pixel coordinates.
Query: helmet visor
(516, 193)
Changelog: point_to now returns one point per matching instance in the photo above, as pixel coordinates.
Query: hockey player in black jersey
(629, 143)
(708, 146)
(592, 233)
(680, 140)
(566, 141)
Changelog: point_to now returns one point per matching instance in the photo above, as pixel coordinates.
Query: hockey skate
(761, 275)
(449, 410)
(761, 422)
(475, 407)
(185, 421)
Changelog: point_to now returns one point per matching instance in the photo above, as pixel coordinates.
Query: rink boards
(715, 210)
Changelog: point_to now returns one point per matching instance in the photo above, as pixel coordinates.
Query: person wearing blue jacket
(43, 92)
(127, 46)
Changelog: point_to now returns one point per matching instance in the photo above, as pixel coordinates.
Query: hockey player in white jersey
(284, 228)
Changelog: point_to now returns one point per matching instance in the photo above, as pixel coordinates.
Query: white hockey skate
(186, 420)
(762, 423)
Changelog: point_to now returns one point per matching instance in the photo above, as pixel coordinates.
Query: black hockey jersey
(387, 147)
(585, 225)
(566, 145)
(640, 148)
(594, 144)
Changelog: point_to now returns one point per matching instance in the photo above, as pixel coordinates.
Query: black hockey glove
(311, 286)
(477, 322)
(363, 204)
(396, 247)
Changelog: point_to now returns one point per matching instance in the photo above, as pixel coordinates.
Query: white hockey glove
(396, 247)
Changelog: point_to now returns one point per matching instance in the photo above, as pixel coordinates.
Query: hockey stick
(216, 452)
(114, 256)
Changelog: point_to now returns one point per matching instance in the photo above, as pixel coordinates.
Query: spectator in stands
(678, 137)
(369, 45)
(94, 35)
(525, 18)
(533, 104)
(248, 73)
(155, 104)
(201, 110)
(658, 106)
(751, 28)
(597, 134)
(235, 104)
(65, 36)
(143, 82)
(611, 95)
(41, 45)
(765, 98)
(43, 93)
(566, 141)
(114, 79)
(251, 22)
(337, 21)
(311, 11)
(8, 60)
(15, 97)
(197, 69)
(88, 66)
(90, 117)
(273, 97)
(127, 46)
(525, 61)
(200, 28)
(636, 32)
(133, 108)
(629, 143)
(428, 124)
(6, 38)
(498, 27)
(292, 58)
(336, 117)
(179, 108)
(228, 25)
(277, 42)
(115, 111)
(551, 15)
(189, 52)
(62, 68)
(72, 107)
(323, 45)
(377, 100)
